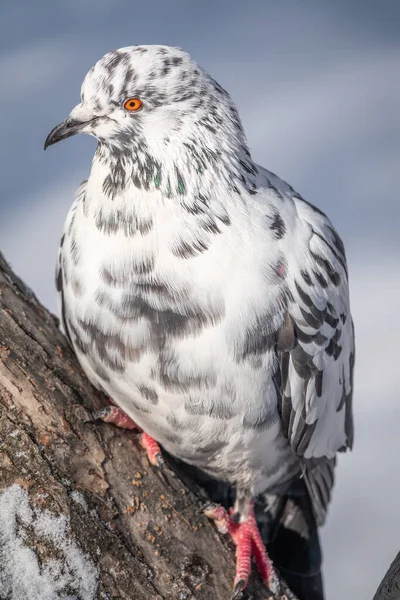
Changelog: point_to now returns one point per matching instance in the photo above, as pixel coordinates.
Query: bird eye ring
(133, 104)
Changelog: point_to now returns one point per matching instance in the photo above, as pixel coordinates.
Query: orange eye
(133, 104)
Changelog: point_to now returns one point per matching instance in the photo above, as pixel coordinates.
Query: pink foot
(248, 542)
(152, 449)
(116, 416)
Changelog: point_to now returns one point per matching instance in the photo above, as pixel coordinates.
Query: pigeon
(203, 294)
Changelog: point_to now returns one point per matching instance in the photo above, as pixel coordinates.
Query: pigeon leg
(247, 539)
(116, 416)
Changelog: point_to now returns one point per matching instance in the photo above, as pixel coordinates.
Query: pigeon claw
(248, 541)
(238, 589)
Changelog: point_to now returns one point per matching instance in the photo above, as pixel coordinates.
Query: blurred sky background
(317, 84)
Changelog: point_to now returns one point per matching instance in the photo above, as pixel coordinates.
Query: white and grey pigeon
(202, 293)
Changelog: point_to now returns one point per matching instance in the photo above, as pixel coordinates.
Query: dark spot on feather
(165, 70)
(204, 405)
(301, 358)
(175, 423)
(189, 249)
(163, 323)
(348, 423)
(306, 338)
(286, 411)
(118, 277)
(149, 394)
(115, 60)
(311, 320)
(115, 181)
(332, 274)
(337, 352)
(59, 280)
(249, 167)
(286, 337)
(302, 436)
(333, 349)
(318, 383)
(136, 181)
(117, 221)
(306, 278)
(319, 339)
(145, 225)
(195, 207)
(78, 342)
(321, 280)
(257, 340)
(338, 242)
(303, 295)
(113, 351)
(331, 321)
(156, 287)
(142, 265)
(278, 226)
(74, 251)
(209, 225)
(172, 437)
(176, 381)
(338, 256)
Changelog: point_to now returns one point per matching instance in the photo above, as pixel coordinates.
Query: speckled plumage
(199, 291)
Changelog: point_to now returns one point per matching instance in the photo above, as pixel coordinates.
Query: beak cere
(64, 130)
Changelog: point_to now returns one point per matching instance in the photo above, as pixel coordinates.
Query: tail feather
(319, 479)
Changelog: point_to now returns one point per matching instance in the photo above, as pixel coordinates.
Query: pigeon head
(151, 96)
(160, 121)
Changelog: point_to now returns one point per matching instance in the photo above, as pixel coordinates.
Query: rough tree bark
(143, 532)
(389, 588)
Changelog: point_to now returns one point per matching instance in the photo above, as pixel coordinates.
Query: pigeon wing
(315, 350)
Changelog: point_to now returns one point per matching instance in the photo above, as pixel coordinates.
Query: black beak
(64, 130)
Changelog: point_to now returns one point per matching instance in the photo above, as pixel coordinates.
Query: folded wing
(316, 353)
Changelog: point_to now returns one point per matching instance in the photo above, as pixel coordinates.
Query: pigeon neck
(182, 172)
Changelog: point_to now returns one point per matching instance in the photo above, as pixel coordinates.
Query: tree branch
(389, 588)
(85, 493)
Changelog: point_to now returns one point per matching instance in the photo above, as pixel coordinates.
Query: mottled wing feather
(316, 353)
